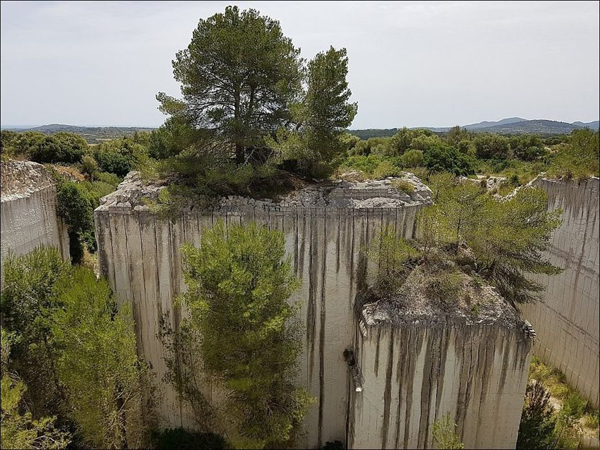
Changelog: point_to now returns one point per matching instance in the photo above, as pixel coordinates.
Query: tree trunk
(240, 154)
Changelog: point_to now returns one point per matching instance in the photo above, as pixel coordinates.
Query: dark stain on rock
(441, 369)
(387, 394)
(376, 366)
(322, 334)
(312, 294)
(416, 341)
(427, 384)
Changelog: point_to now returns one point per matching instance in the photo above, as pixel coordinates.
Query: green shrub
(590, 420)
(18, 427)
(492, 146)
(393, 257)
(412, 158)
(113, 162)
(75, 207)
(97, 362)
(447, 159)
(108, 178)
(404, 185)
(385, 169)
(89, 166)
(27, 306)
(444, 434)
(445, 286)
(536, 429)
(61, 147)
(579, 158)
(574, 405)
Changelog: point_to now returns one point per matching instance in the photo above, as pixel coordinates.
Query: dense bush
(172, 137)
(412, 158)
(18, 428)
(492, 146)
(113, 159)
(27, 306)
(527, 147)
(579, 157)
(75, 207)
(443, 158)
(97, 363)
(74, 351)
(61, 147)
(537, 421)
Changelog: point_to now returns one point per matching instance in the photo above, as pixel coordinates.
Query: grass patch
(404, 185)
(575, 408)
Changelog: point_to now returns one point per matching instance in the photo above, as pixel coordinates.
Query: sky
(410, 63)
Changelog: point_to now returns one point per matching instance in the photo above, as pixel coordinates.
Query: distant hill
(93, 135)
(543, 127)
(593, 125)
(512, 125)
(486, 124)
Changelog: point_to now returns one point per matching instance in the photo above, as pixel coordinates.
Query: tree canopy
(245, 85)
(238, 77)
(239, 286)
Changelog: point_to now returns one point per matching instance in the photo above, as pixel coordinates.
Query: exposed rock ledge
(20, 179)
(477, 304)
(132, 193)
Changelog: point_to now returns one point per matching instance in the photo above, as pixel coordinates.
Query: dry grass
(404, 185)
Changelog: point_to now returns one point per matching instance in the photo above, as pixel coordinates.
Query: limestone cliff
(28, 214)
(421, 357)
(327, 228)
(567, 317)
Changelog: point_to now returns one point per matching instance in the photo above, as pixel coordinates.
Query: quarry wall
(28, 210)
(327, 230)
(421, 355)
(567, 318)
(416, 374)
(326, 233)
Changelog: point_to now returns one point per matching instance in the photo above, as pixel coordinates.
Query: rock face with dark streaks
(422, 357)
(567, 318)
(327, 229)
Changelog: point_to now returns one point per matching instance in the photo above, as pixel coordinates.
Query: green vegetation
(497, 240)
(395, 258)
(547, 426)
(19, 430)
(97, 362)
(61, 147)
(461, 152)
(251, 108)
(404, 185)
(75, 353)
(28, 305)
(579, 158)
(444, 434)
(83, 174)
(573, 404)
(537, 428)
(239, 285)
